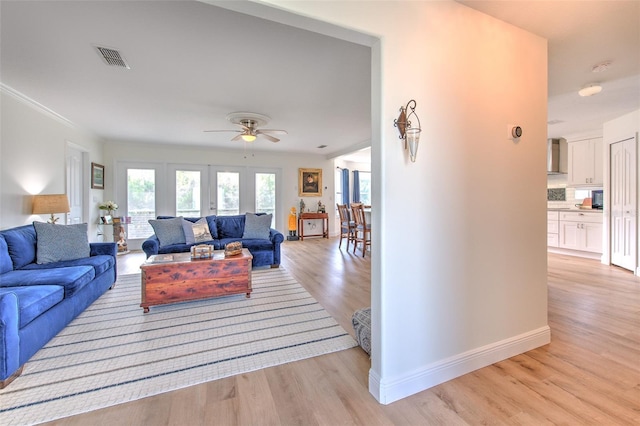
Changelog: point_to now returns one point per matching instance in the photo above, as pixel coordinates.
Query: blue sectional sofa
(37, 300)
(223, 230)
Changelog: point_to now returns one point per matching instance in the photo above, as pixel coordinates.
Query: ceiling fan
(250, 121)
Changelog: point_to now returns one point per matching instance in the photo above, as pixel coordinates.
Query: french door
(140, 194)
(227, 190)
(147, 190)
(237, 190)
(187, 190)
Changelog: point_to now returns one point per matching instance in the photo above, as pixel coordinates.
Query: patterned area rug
(113, 353)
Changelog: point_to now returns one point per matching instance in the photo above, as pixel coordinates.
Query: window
(338, 188)
(228, 190)
(365, 188)
(188, 190)
(265, 192)
(141, 201)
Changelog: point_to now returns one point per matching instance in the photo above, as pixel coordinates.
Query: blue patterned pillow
(168, 231)
(55, 243)
(257, 226)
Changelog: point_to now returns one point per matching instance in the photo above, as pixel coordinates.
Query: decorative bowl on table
(233, 249)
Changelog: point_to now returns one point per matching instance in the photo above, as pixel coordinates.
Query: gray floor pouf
(361, 321)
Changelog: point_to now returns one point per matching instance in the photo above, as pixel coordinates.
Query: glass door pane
(188, 190)
(265, 193)
(228, 193)
(141, 201)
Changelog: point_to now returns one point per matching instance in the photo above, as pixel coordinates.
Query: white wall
(32, 158)
(115, 152)
(459, 241)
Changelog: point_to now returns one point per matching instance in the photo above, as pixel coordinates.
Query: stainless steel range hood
(556, 156)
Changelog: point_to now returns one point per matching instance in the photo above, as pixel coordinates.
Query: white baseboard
(388, 391)
(577, 253)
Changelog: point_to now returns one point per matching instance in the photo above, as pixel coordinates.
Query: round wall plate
(239, 117)
(516, 132)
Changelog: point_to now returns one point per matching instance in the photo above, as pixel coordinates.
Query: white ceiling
(193, 63)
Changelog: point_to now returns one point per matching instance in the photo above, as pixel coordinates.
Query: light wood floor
(588, 375)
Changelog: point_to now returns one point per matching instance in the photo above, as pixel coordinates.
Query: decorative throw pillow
(201, 231)
(187, 228)
(257, 226)
(196, 232)
(168, 231)
(55, 243)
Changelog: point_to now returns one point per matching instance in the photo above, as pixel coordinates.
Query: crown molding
(36, 105)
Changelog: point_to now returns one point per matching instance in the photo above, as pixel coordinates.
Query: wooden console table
(306, 216)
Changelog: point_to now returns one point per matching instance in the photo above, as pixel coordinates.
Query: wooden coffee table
(173, 278)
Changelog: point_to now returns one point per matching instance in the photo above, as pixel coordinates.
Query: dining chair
(362, 230)
(347, 226)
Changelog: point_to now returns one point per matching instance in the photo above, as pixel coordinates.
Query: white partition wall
(459, 246)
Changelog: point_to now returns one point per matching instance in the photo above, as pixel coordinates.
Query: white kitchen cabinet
(580, 231)
(585, 162)
(552, 228)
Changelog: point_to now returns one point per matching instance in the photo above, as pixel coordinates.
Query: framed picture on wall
(310, 182)
(97, 176)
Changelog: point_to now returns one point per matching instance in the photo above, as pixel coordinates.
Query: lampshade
(52, 203)
(248, 138)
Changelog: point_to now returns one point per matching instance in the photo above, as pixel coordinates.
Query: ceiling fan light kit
(250, 121)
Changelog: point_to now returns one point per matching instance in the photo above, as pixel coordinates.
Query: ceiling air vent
(112, 57)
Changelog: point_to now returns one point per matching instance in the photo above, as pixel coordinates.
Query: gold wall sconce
(408, 133)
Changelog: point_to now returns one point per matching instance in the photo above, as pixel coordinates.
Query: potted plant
(110, 206)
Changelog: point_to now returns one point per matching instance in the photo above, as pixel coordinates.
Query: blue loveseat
(38, 300)
(224, 230)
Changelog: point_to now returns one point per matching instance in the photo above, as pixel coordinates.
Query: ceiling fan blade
(271, 138)
(219, 131)
(276, 131)
(237, 138)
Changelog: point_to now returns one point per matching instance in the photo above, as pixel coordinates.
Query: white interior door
(75, 184)
(623, 204)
